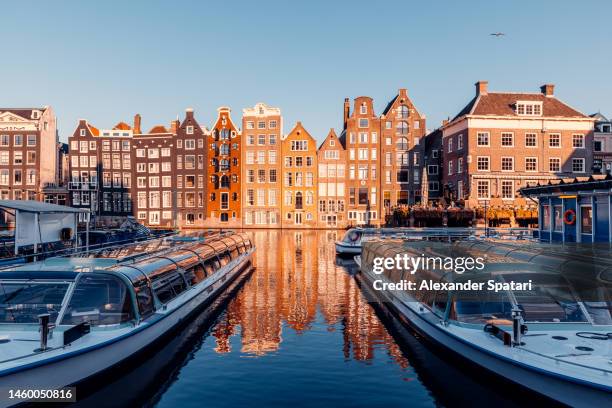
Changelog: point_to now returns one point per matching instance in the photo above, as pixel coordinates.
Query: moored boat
(65, 320)
(552, 337)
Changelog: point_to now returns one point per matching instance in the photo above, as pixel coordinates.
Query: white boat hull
(68, 371)
(567, 392)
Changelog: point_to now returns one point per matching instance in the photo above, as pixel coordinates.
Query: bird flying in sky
(498, 34)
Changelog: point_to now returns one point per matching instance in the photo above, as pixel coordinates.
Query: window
(482, 188)
(432, 169)
(190, 130)
(450, 145)
(272, 156)
(558, 218)
(578, 165)
(401, 128)
(4, 158)
(363, 123)
(261, 140)
(250, 140)
(4, 141)
(460, 142)
(586, 219)
(153, 153)
(363, 196)
(272, 140)
(507, 189)
(261, 124)
(17, 176)
(18, 158)
(554, 164)
(299, 145)
(363, 109)
(554, 140)
(507, 163)
(31, 140)
(460, 165)
(578, 141)
(190, 144)
(250, 125)
(531, 140)
(528, 108)
(450, 167)
(507, 139)
(597, 145)
(482, 139)
(434, 154)
(434, 186)
(401, 143)
(272, 124)
(531, 164)
(482, 163)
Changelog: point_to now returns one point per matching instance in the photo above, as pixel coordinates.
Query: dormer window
(528, 108)
(363, 109)
(35, 114)
(190, 130)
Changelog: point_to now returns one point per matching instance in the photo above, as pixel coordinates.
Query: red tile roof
(503, 104)
(122, 126)
(158, 129)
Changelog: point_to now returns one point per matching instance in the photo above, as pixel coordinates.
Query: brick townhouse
(331, 182)
(503, 140)
(262, 128)
(299, 152)
(28, 159)
(402, 130)
(224, 175)
(361, 139)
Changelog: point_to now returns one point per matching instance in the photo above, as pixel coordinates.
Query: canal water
(296, 332)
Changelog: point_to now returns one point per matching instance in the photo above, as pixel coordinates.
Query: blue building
(574, 210)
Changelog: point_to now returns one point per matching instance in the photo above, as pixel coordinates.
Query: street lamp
(485, 219)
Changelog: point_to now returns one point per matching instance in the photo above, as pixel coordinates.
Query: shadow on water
(298, 331)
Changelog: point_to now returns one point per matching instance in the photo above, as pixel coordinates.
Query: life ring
(569, 217)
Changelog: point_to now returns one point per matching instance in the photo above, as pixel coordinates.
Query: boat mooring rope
(594, 335)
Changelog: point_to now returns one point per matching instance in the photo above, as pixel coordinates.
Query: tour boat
(553, 338)
(65, 320)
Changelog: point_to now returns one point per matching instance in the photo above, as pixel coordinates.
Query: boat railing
(559, 360)
(451, 232)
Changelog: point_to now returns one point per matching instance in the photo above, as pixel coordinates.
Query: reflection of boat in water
(68, 319)
(565, 355)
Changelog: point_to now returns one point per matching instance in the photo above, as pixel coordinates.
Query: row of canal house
(254, 174)
(186, 175)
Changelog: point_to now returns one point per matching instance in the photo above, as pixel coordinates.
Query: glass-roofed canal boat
(64, 320)
(553, 336)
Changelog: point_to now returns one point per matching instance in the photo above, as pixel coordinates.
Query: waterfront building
(299, 152)
(189, 174)
(28, 158)
(101, 170)
(224, 178)
(154, 175)
(57, 192)
(262, 128)
(574, 210)
(602, 144)
(331, 181)
(360, 138)
(503, 140)
(432, 161)
(402, 161)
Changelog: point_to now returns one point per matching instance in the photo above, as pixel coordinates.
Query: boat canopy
(562, 288)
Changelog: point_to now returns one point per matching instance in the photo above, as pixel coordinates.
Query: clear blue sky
(105, 61)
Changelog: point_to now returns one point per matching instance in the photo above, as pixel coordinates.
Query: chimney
(445, 122)
(189, 112)
(174, 125)
(136, 126)
(347, 110)
(548, 89)
(482, 88)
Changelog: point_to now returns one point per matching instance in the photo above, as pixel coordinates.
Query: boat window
(211, 265)
(144, 297)
(168, 287)
(196, 274)
(99, 300)
(480, 307)
(549, 300)
(235, 252)
(23, 302)
(440, 301)
(224, 258)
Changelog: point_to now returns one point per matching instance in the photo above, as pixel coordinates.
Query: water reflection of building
(296, 274)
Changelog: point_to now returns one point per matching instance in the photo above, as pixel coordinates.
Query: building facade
(299, 152)
(28, 158)
(189, 199)
(224, 160)
(502, 140)
(402, 129)
(262, 128)
(331, 183)
(432, 174)
(361, 140)
(602, 144)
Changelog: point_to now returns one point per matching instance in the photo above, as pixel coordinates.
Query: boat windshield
(100, 300)
(22, 302)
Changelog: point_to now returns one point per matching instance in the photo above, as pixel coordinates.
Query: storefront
(574, 210)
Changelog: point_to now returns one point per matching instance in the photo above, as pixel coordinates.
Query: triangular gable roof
(331, 134)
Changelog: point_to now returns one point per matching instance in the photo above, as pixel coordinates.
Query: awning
(39, 207)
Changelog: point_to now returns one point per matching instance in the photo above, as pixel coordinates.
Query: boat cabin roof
(39, 207)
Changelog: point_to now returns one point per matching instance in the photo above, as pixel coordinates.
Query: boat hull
(567, 392)
(343, 248)
(70, 371)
